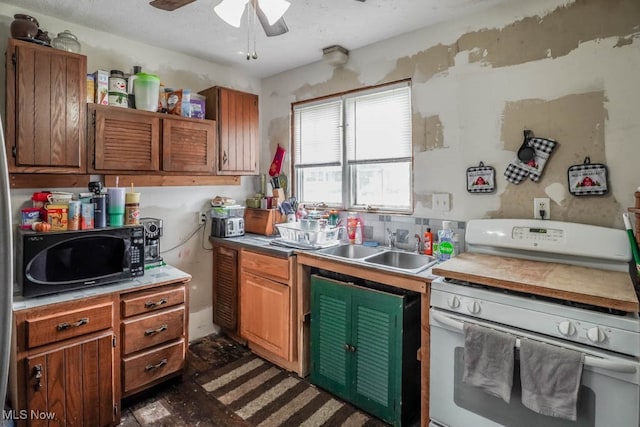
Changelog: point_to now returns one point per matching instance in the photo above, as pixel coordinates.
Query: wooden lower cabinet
(268, 307)
(225, 288)
(73, 361)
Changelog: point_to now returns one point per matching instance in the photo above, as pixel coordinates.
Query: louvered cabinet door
(188, 145)
(124, 140)
(225, 288)
(377, 354)
(330, 336)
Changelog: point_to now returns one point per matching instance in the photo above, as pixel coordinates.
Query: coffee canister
(132, 208)
(73, 219)
(99, 211)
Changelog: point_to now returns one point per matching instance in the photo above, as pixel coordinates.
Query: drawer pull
(155, 331)
(156, 366)
(64, 326)
(152, 304)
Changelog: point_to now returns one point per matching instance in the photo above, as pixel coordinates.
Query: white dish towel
(488, 360)
(550, 377)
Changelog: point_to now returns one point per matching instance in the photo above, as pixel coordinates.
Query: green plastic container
(146, 88)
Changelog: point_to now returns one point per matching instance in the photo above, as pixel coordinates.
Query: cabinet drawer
(152, 365)
(265, 265)
(68, 324)
(152, 330)
(148, 301)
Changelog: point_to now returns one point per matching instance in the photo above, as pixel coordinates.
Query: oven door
(609, 393)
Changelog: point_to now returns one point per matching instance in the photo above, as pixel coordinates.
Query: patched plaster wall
(565, 69)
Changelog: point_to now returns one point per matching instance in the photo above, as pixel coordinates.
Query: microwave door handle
(592, 361)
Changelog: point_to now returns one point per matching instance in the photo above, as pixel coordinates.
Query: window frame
(348, 188)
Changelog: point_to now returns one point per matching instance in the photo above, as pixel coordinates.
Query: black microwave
(57, 261)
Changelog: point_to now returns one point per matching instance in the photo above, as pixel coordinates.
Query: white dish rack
(292, 234)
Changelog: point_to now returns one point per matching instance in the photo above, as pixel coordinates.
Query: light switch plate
(441, 202)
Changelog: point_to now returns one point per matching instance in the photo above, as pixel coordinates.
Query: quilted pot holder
(588, 179)
(481, 179)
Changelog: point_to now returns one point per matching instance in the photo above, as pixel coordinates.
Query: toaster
(227, 227)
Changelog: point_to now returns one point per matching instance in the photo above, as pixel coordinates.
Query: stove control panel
(537, 234)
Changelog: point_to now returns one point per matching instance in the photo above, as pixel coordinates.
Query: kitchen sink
(406, 262)
(402, 261)
(350, 251)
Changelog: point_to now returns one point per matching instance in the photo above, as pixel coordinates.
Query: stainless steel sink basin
(402, 261)
(350, 251)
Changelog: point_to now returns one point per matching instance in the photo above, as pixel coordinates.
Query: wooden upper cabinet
(188, 145)
(237, 116)
(45, 109)
(123, 139)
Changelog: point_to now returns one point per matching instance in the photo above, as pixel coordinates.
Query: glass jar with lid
(66, 41)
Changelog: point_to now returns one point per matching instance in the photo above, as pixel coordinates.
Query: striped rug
(266, 396)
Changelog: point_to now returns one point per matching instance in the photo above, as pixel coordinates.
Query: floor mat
(266, 396)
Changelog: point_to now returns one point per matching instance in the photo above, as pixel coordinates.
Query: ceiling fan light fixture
(273, 9)
(230, 11)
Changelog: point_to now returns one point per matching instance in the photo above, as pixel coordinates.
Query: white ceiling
(197, 31)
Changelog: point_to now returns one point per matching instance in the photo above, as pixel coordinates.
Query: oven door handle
(595, 362)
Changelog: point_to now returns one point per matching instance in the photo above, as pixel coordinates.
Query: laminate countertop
(603, 288)
(152, 276)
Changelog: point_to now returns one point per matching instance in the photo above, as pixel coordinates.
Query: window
(354, 151)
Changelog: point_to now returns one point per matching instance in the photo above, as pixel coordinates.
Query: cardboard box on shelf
(91, 89)
(101, 82)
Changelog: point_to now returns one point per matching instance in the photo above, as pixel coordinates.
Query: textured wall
(565, 69)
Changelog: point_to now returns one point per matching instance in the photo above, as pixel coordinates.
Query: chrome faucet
(418, 246)
(391, 239)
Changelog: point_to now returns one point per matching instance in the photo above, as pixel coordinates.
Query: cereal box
(101, 82)
(91, 89)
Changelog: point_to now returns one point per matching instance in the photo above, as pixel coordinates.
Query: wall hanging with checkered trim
(588, 179)
(481, 179)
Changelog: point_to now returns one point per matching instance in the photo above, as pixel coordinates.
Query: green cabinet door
(356, 345)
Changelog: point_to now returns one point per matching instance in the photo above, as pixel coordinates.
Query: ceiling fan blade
(277, 29)
(170, 5)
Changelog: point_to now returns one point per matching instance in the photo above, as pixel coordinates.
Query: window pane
(320, 184)
(382, 185)
(379, 125)
(318, 133)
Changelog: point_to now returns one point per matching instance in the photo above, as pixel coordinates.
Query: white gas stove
(608, 337)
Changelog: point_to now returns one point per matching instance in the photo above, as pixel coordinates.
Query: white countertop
(152, 276)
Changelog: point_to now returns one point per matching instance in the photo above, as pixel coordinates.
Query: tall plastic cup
(116, 206)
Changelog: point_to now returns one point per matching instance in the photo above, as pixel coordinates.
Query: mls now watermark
(24, 414)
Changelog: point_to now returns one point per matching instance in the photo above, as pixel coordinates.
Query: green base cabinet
(364, 345)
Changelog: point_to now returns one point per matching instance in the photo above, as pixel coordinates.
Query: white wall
(177, 206)
(566, 70)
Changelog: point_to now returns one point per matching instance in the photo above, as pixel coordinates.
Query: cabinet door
(124, 140)
(188, 146)
(73, 385)
(238, 132)
(376, 367)
(225, 288)
(46, 113)
(264, 313)
(330, 341)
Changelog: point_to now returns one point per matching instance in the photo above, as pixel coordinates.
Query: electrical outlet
(202, 217)
(541, 204)
(440, 202)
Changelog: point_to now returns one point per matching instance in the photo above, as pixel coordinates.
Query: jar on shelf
(66, 41)
(24, 26)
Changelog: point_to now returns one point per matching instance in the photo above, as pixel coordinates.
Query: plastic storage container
(227, 211)
(146, 88)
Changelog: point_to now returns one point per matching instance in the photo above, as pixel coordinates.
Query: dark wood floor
(182, 402)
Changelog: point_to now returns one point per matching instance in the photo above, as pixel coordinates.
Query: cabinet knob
(37, 374)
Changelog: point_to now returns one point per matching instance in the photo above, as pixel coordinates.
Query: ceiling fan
(269, 12)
